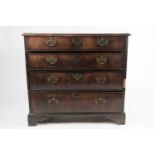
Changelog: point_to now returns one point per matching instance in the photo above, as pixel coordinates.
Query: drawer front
(75, 60)
(76, 80)
(77, 102)
(75, 43)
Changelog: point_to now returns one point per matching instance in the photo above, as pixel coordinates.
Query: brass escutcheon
(77, 57)
(76, 96)
(77, 76)
(51, 42)
(76, 42)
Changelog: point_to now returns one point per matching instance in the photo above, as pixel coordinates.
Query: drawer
(76, 102)
(69, 42)
(100, 80)
(75, 60)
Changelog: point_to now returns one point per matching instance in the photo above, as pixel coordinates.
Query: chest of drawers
(76, 77)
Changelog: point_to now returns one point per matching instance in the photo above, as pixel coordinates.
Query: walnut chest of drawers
(76, 77)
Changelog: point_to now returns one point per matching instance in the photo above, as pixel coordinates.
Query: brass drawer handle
(52, 79)
(52, 60)
(51, 42)
(53, 100)
(77, 57)
(101, 41)
(76, 96)
(100, 59)
(76, 42)
(100, 100)
(101, 79)
(77, 76)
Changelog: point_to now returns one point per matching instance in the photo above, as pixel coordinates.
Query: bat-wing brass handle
(52, 79)
(53, 100)
(100, 59)
(101, 41)
(52, 60)
(100, 100)
(51, 42)
(101, 79)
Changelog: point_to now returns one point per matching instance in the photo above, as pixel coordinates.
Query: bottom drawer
(76, 102)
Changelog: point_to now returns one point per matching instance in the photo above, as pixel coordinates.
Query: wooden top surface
(75, 34)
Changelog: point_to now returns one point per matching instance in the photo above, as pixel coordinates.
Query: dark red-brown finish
(86, 103)
(65, 43)
(75, 60)
(66, 81)
(76, 77)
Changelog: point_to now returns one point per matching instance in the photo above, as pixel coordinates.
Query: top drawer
(72, 42)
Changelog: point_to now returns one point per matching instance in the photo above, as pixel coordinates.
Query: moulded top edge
(76, 34)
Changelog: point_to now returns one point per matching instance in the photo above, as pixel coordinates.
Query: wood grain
(57, 96)
(68, 104)
(80, 60)
(65, 80)
(65, 43)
